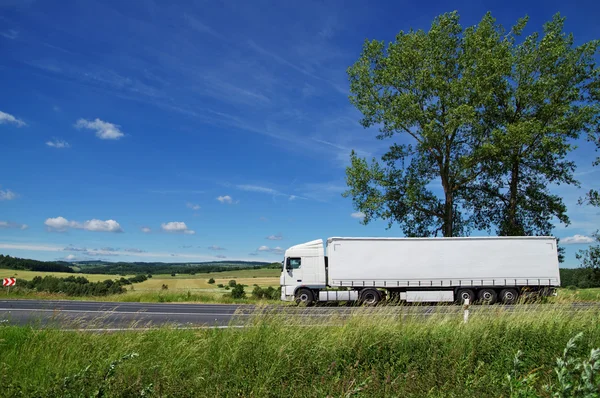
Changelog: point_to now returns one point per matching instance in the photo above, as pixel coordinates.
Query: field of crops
(159, 288)
(28, 275)
(184, 282)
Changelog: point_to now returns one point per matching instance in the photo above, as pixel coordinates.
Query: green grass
(372, 355)
(592, 294)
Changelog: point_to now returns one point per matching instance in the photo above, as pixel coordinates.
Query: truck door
(293, 275)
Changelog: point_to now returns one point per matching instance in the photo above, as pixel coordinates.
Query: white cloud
(176, 227)
(6, 118)
(359, 215)
(10, 34)
(193, 206)
(7, 194)
(276, 250)
(102, 226)
(72, 248)
(275, 237)
(133, 250)
(266, 190)
(104, 130)
(70, 257)
(95, 252)
(577, 240)
(33, 247)
(146, 230)
(9, 224)
(220, 256)
(61, 224)
(226, 199)
(256, 188)
(58, 144)
(215, 247)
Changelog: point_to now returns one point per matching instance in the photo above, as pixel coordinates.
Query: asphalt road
(93, 315)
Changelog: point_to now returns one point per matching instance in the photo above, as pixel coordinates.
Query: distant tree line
(129, 268)
(33, 265)
(79, 286)
(162, 268)
(583, 277)
(73, 286)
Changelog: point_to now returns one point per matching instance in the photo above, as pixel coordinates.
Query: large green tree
(547, 100)
(476, 117)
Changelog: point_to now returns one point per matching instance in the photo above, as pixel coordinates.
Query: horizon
(199, 133)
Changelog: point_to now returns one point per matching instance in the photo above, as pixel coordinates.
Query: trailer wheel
(370, 297)
(488, 296)
(464, 294)
(304, 296)
(509, 296)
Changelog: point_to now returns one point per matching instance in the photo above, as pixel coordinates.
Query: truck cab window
(294, 263)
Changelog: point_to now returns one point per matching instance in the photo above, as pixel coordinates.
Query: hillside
(129, 268)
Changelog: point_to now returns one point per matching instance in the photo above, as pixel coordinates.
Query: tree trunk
(449, 198)
(448, 214)
(512, 227)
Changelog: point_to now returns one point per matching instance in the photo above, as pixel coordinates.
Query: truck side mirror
(288, 265)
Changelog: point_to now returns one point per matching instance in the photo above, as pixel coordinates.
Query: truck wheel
(464, 294)
(488, 296)
(304, 296)
(370, 297)
(509, 296)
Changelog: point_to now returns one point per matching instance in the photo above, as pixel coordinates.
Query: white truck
(369, 270)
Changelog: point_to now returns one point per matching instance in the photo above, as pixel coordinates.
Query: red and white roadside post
(8, 282)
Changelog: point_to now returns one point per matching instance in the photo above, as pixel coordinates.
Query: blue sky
(195, 131)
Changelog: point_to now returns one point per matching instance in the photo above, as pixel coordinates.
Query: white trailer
(368, 270)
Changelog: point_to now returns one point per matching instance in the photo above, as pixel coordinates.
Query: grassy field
(578, 295)
(181, 287)
(261, 277)
(372, 355)
(29, 275)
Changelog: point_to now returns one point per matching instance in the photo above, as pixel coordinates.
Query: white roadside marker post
(466, 308)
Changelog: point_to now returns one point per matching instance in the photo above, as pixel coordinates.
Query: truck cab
(303, 267)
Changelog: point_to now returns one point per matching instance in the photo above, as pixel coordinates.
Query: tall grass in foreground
(371, 354)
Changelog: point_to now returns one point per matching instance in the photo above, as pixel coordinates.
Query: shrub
(74, 286)
(138, 278)
(220, 285)
(258, 292)
(211, 281)
(232, 283)
(173, 274)
(238, 292)
(165, 287)
(273, 294)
